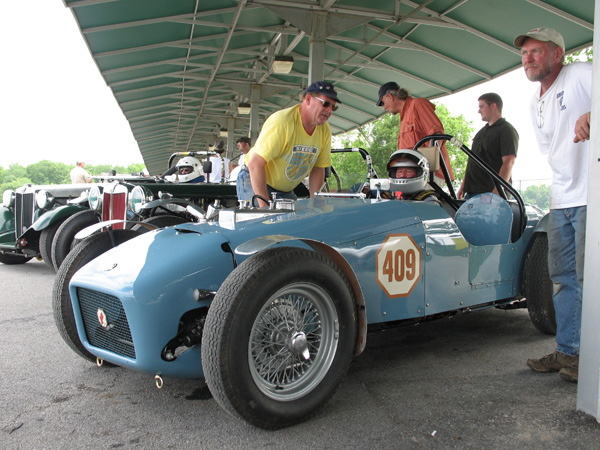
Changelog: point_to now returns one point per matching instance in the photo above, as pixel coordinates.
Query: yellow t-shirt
(289, 151)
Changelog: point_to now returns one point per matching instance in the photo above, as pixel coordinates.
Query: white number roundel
(398, 265)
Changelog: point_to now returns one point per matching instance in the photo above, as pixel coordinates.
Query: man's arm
(461, 190)
(316, 178)
(582, 128)
(430, 121)
(258, 177)
(505, 172)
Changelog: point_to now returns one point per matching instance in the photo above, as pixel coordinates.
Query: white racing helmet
(193, 166)
(408, 158)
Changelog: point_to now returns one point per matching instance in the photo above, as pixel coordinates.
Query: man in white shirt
(79, 175)
(560, 112)
(221, 166)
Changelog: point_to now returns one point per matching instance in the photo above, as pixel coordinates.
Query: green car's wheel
(63, 239)
(46, 239)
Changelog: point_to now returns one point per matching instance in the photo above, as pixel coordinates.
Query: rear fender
(262, 243)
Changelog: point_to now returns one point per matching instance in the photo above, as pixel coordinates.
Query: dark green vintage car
(30, 217)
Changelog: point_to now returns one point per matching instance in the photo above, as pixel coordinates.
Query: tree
(48, 172)
(586, 54)
(538, 195)
(380, 139)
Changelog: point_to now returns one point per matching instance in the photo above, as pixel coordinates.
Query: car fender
(126, 277)
(542, 225)
(49, 217)
(88, 231)
(7, 221)
(259, 244)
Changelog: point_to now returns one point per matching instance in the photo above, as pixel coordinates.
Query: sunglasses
(327, 104)
(540, 118)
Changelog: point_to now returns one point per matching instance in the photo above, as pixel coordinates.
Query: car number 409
(398, 265)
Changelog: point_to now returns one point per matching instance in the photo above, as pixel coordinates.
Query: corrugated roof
(180, 68)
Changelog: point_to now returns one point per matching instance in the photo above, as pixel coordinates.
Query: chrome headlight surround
(138, 197)
(95, 198)
(8, 198)
(43, 199)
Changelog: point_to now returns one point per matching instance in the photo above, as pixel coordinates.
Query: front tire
(46, 239)
(64, 317)
(63, 239)
(538, 287)
(279, 337)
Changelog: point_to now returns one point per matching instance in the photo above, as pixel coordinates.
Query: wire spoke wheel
(293, 341)
(279, 337)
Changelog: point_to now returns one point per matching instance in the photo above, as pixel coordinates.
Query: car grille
(116, 337)
(23, 212)
(114, 207)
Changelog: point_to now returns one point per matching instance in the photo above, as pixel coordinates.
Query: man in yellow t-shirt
(293, 143)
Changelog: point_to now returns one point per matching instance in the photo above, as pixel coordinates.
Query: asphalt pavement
(459, 383)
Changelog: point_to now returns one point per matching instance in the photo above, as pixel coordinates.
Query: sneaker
(553, 362)
(570, 373)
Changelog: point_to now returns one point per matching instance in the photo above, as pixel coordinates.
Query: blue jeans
(243, 185)
(566, 246)
(291, 195)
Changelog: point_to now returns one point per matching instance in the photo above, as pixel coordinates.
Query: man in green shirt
(496, 143)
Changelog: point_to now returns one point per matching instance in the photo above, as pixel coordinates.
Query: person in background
(293, 143)
(242, 183)
(79, 175)
(560, 114)
(189, 170)
(221, 166)
(496, 144)
(417, 120)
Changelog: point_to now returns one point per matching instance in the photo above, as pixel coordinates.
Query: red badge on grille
(102, 318)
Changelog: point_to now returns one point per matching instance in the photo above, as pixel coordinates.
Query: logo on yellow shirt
(302, 160)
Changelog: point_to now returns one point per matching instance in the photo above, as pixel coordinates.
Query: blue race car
(269, 306)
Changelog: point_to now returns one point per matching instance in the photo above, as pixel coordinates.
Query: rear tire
(64, 317)
(63, 239)
(538, 288)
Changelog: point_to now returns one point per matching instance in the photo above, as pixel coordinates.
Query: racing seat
(485, 219)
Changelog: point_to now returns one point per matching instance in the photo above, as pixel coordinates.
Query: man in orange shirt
(417, 120)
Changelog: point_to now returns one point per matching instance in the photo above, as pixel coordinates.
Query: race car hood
(159, 257)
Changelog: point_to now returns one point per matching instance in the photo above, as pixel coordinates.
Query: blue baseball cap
(384, 89)
(325, 88)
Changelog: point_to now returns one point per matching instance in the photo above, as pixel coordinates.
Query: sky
(56, 105)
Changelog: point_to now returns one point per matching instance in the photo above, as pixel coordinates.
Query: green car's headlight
(95, 198)
(8, 198)
(43, 199)
(138, 197)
